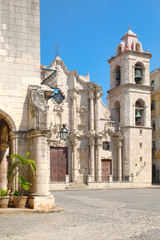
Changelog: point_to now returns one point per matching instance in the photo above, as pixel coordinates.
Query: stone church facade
(103, 148)
(90, 153)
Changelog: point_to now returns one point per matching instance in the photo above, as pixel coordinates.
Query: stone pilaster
(92, 162)
(97, 113)
(99, 164)
(74, 111)
(91, 97)
(119, 158)
(75, 161)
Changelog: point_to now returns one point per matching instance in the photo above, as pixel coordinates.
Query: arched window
(139, 113)
(138, 73)
(117, 111)
(153, 105)
(138, 47)
(118, 75)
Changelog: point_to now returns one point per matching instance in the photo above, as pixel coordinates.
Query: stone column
(91, 96)
(13, 150)
(99, 164)
(97, 113)
(40, 198)
(75, 161)
(119, 154)
(92, 163)
(40, 155)
(74, 111)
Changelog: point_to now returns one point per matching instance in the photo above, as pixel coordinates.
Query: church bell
(138, 115)
(138, 75)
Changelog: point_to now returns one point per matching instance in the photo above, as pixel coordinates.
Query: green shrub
(3, 192)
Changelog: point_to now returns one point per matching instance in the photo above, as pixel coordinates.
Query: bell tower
(129, 103)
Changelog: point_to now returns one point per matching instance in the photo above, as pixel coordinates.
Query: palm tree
(23, 162)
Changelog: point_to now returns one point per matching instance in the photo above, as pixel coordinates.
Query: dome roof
(129, 42)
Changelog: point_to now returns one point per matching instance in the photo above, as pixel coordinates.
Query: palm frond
(25, 185)
(26, 155)
(32, 165)
(19, 157)
(10, 171)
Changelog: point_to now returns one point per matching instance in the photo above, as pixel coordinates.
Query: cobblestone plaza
(91, 215)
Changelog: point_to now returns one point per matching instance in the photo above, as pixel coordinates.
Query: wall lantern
(63, 133)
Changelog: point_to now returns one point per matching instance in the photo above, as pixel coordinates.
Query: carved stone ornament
(55, 129)
(107, 114)
(82, 108)
(57, 107)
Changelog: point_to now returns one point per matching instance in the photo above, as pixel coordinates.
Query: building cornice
(129, 85)
(134, 53)
(140, 127)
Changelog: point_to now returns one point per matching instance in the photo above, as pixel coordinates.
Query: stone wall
(19, 56)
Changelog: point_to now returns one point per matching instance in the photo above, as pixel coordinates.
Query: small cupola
(129, 42)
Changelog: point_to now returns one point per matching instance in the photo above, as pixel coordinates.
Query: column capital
(38, 133)
(73, 93)
(99, 142)
(91, 141)
(13, 135)
(91, 93)
(74, 142)
(99, 95)
(118, 144)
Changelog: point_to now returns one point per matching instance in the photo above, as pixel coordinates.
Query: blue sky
(88, 32)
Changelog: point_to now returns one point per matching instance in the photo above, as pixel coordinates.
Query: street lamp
(63, 133)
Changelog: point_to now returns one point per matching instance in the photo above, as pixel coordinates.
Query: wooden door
(58, 164)
(106, 169)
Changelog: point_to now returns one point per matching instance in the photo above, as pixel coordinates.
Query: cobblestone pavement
(91, 215)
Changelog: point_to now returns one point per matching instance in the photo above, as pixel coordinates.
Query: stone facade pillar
(119, 154)
(92, 163)
(39, 154)
(97, 113)
(99, 164)
(40, 197)
(13, 150)
(74, 111)
(75, 161)
(91, 96)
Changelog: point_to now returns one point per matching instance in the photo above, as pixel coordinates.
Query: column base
(119, 179)
(41, 202)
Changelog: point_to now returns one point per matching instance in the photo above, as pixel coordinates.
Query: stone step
(78, 186)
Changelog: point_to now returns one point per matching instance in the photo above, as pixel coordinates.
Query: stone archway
(4, 152)
(7, 127)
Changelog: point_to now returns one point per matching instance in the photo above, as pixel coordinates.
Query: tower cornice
(142, 54)
(129, 85)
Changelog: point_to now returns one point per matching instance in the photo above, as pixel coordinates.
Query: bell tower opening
(118, 76)
(138, 73)
(139, 113)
